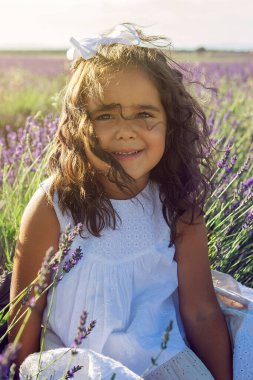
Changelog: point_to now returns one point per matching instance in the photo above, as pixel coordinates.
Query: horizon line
(186, 49)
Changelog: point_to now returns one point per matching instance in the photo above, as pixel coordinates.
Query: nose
(125, 130)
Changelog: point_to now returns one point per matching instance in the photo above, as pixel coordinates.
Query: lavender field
(30, 90)
(29, 86)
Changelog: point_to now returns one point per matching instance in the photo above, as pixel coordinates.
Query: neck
(113, 192)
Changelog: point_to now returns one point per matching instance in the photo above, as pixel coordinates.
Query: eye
(146, 114)
(103, 117)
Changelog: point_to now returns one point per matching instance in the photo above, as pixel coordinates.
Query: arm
(39, 230)
(204, 323)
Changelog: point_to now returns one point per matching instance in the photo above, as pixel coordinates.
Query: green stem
(49, 312)
(234, 214)
(15, 320)
(67, 368)
(51, 362)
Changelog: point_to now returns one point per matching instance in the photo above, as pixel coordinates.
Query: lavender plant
(23, 160)
(228, 212)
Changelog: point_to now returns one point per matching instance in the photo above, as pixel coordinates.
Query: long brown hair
(183, 174)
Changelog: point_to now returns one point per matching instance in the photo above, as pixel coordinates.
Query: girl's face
(132, 126)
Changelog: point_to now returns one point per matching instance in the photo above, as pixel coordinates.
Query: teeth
(126, 154)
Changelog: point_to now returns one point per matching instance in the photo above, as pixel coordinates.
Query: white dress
(127, 282)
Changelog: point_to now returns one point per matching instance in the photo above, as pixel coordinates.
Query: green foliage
(23, 94)
(15, 196)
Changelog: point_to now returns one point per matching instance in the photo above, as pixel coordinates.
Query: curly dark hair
(184, 171)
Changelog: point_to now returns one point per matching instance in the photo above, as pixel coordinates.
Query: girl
(125, 164)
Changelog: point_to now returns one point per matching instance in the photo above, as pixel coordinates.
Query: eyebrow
(106, 107)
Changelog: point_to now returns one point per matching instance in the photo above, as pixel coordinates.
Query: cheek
(157, 143)
(158, 137)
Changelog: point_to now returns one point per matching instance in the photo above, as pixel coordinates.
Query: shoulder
(39, 211)
(189, 219)
(39, 229)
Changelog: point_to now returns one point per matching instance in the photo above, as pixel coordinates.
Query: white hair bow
(122, 34)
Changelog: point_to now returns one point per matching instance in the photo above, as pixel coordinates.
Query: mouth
(127, 155)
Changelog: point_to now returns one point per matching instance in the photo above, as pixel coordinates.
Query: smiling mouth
(127, 155)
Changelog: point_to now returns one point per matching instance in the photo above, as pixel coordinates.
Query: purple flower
(221, 164)
(72, 371)
(75, 257)
(244, 167)
(68, 237)
(218, 246)
(6, 359)
(45, 270)
(248, 182)
(226, 115)
(248, 221)
(82, 331)
(228, 169)
(53, 260)
(25, 145)
(233, 159)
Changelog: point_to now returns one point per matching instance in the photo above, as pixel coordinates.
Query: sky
(189, 24)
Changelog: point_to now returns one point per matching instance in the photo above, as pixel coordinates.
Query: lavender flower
(245, 184)
(226, 115)
(64, 247)
(51, 263)
(233, 159)
(6, 359)
(25, 145)
(244, 167)
(248, 221)
(45, 270)
(228, 169)
(222, 163)
(218, 246)
(82, 331)
(76, 256)
(248, 195)
(67, 239)
(72, 371)
(166, 336)
(26, 296)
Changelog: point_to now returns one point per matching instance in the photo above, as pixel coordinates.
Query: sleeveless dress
(127, 282)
